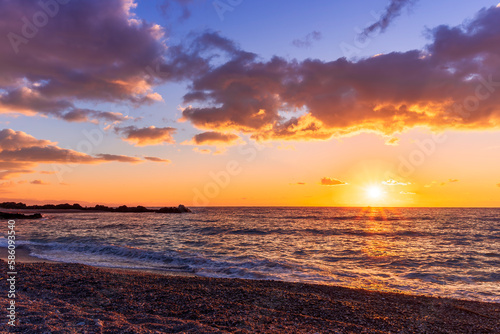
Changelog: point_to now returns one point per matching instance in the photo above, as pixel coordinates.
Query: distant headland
(102, 208)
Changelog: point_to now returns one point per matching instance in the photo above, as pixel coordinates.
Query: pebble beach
(75, 298)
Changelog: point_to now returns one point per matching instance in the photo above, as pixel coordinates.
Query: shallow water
(434, 251)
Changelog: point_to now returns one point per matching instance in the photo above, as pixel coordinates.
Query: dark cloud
(39, 182)
(326, 181)
(392, 11)
(308, 40)
(87, 115)
(20, 153)
(453, 83)
(46, 154)
(117, 158)
(214, 138)
(84, 51)
(147, 136)
(168, 6)
(155, 159)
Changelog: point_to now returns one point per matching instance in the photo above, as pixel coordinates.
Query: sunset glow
(375, 192)
(149, 112)
(250, 166)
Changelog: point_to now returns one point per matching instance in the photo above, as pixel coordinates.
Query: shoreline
(23, 255)
(79, 298)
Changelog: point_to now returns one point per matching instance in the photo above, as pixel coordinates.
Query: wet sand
(73, 298)
(22, 255)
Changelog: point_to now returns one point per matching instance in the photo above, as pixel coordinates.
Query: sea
(446, 252)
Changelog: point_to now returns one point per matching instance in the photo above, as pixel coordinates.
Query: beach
(75, 298)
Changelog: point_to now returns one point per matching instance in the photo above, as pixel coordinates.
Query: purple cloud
(55, 55)
(452, 83)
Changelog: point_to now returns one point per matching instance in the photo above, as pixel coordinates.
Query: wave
(106, 255)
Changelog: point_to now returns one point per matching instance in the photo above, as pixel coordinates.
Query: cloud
(155, 159)
(298, 184)
(202, 151)
(392, 11)
(450, 84)
(147, 136)
(91, 50)
(392, 141)
(20, 153)
(14, 140)
(442, 183)
(117, 158)
(45, 154)
(498, 184)
(395, 183)
(39, 182)
(407, 193)
(183, 5)
(8, 184)
(214, 138)
(307, 41)
(87, 115)
(326, 181)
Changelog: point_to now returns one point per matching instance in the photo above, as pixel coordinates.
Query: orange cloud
(202, 151)
(326, 181)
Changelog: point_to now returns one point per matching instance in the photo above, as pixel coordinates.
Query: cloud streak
(147, 136)
(308, 40)
(155, 159)
(214, 138)
(392, 11)
(327, 181)
(20, 153)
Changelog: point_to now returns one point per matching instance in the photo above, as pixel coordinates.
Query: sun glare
(374, 192)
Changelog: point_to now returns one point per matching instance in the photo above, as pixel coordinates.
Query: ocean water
(431, 251)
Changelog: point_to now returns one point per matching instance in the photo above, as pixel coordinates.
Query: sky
(250, 103)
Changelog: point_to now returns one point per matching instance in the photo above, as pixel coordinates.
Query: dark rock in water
(5, 215)
(122, 208)
(180, 209)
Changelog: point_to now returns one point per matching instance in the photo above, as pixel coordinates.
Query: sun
(374, 192)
